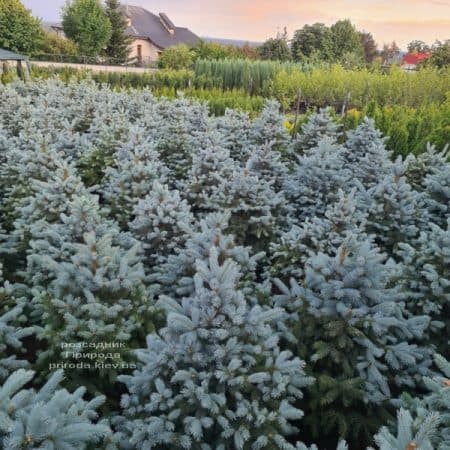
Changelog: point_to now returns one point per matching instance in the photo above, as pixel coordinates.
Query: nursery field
(410, 109)
(173, 277)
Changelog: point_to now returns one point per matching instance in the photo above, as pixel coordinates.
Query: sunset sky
(257, 20)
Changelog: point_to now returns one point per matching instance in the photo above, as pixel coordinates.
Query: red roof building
(411, 60)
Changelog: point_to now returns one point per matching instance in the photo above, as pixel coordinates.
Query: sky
(257, 20)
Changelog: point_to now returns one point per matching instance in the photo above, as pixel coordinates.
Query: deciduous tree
(275, 49)
(345, 39)
(312, 40)
(86, 22)
(19, 30)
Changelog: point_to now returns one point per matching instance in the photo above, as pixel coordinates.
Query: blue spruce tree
(418, 167)
(365, 154)
(269, 128)
(235, 127)
(130, 179)
(426, 278)
(108, 130)
(437, 190)
(357, 337)
(214, 377)
(181, 121)
(176, 274)
(160, 223)
(51, 418)
(317, 235)
(211, 167)
(396, 212)
(30, 158)
(46, 202)
(423, 422)
(88, 287)
(435, 403)
(12, 329)
(256, 209)
(267, 164)
(409, 436)
(319, 125)
(316, 180)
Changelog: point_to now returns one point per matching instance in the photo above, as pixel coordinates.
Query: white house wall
(149, 51)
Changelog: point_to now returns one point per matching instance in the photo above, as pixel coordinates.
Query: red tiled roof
(415, 58)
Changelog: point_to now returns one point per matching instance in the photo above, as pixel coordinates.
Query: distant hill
(235, 42)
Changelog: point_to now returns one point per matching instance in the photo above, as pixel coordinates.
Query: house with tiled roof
(412, 60)
(153, 33)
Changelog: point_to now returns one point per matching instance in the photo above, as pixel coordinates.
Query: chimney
(167, 23)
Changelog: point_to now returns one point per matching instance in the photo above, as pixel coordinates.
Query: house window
(139, 52)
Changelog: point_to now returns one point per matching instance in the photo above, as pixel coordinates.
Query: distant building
(54, 27)
(394, 60)
(153, 33)
(412, 60)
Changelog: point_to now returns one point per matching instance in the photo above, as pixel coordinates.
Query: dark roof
(146, 25)
(167, 21)
(6, 55)
(57, 25)
(235, 42)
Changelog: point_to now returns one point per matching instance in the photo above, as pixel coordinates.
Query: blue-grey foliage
(50, 418)
(269, 128)
(240, 261)
(320, 125)
(426, 265)
(13, 329)
(214, 377)
(316, 180)
(365, 154)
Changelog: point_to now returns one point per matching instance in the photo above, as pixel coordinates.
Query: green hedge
(357, 88)
(255, 77)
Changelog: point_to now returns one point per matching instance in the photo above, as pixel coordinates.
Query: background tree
(345, 39)
(86, 23)
(176, 57)
(19, 30)
(247, 51)
(212, 50)
(352, 60)
(418, 46)
(440, 54)
(119, 44)
(275, 49)
(215, 50)
(389, 51)
(311, 40)
(52, 44)
(369, 46)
